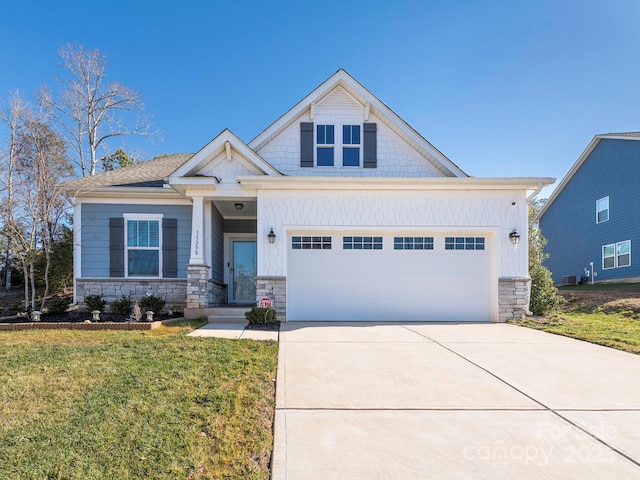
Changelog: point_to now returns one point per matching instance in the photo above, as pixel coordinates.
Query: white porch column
(197, 232)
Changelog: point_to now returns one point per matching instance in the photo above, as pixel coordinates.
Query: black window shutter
(116, 247)
(169, 248)
(370, 145)
(306, 144)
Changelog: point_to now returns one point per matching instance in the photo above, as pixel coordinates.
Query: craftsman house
(338, 210)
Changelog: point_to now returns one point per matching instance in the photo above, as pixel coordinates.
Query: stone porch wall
(276, 289)
(513, 297)
(173, 290)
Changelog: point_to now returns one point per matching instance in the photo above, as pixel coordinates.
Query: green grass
(610, 329)
(134, 405)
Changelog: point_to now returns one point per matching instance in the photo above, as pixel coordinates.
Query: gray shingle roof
(624, 134)
(149, 173)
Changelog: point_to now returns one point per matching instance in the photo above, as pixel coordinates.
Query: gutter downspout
(528, 312)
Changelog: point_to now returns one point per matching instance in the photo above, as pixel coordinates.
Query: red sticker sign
(265, 302)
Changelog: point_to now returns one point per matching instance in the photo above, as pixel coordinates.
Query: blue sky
(503, 88)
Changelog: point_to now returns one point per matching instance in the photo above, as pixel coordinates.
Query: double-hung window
(351, 145)
(325, 143)
(143, 245)
(616, 255)
(602, 210)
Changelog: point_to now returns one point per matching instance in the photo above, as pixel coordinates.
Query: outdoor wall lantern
(514, 236)
(271, 236)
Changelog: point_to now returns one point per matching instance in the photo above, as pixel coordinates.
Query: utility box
(570, 280)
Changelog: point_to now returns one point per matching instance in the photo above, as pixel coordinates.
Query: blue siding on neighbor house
(574, 238)
(95, 234)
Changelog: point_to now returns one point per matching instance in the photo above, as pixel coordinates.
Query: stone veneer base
(513, 297)
(274, 288)
(172, 290)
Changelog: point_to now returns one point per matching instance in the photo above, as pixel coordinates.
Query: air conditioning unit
(570, 280)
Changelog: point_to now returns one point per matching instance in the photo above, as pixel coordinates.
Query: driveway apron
(416, 401)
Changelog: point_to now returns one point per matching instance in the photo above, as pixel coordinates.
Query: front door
(243, 271)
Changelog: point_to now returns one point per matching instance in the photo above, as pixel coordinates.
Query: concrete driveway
(416, 401)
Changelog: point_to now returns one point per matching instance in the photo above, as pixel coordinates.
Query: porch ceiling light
(514, 236)
(271, 236)
(239, 206)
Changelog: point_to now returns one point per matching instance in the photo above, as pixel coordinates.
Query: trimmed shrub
(95, 302)
(57, 305)
(122, 306)
(153, 303)
(261, 316)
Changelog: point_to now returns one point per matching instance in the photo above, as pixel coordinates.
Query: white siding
(396, 158)
(438, 211)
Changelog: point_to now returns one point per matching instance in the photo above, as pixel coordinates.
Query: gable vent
(338, 99)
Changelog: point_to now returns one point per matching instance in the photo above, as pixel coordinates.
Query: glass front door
(244, 270)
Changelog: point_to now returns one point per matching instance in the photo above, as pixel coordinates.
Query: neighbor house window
(311, 243)
(362, 243)
(351, 145)
(413, 243)
(325, 143)
(602, 210)
(143, 245)
(464, 243)
(616, 255)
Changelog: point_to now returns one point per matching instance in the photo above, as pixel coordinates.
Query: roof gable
(628, 136)
(342, 91)
(226, 147)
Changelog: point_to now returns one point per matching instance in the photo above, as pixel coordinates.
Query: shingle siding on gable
(95, 234)
(569, 225)
(395, 157)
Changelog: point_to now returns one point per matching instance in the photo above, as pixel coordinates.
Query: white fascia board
(176, 200)
(216, 146)
(351, 85)
(124, 193)
(386, 183)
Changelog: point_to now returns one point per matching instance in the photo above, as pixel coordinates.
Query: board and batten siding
(217, 246)
(95, 234)
(573, 237)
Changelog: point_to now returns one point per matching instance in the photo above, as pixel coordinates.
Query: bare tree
(88, 111)
(41, 165)
(14, 117)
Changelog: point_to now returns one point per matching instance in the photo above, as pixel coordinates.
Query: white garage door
(389, 277)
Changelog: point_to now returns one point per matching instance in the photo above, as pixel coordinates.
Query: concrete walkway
(233, 330)
(440, 401)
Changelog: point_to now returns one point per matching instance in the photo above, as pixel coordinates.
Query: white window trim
(338, 145)
(617, 244)
(142, 216)
(615, 255)
(609, 256)
(607, 209)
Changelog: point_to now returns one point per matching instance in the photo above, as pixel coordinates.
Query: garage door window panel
(362, 243)
(413, 243)
(311, 243)
(464, 243)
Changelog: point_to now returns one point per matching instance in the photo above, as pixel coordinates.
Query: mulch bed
(78, 317)
(270, 327)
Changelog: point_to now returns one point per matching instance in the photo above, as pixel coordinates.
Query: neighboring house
(339, 210)
(591, 219)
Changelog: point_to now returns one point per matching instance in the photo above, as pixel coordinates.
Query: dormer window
(325, 141)
(356, 145)
(351, 145)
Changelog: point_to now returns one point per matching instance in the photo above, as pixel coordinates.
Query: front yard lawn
(606, 314)
(611, 330)
(125, 405)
